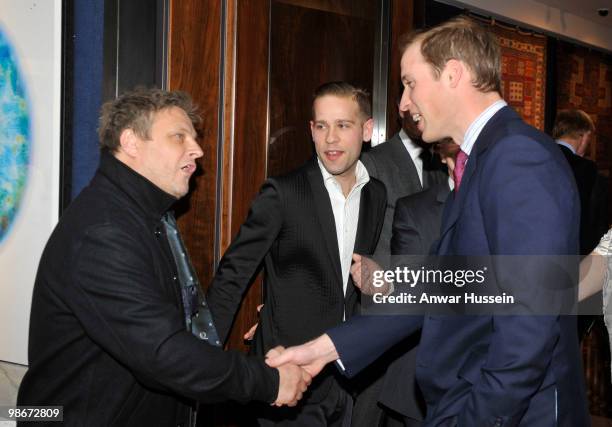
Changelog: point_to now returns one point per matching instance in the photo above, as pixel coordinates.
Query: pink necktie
(460, 162)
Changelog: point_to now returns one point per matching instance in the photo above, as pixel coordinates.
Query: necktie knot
(460, 162)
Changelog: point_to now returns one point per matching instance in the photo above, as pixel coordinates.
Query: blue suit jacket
(495, 370)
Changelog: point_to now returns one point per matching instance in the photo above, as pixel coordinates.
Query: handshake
(298, 365)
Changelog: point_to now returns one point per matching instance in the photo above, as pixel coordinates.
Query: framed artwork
(30, 144)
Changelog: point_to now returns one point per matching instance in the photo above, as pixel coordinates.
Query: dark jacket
(585, 173)
(290, 227)
(107, 335)
(391, 163)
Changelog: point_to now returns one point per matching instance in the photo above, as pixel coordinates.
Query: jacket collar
(497, 125)
(150, 198)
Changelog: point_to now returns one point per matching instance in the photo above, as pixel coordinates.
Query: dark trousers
(368, 412)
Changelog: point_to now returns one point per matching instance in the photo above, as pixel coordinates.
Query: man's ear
(129, 142)
(312, 129)
(368, 128)
(583, 143)
(453, 72)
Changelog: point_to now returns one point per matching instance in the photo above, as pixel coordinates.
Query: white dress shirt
(414, 150)
(473, 131)
(566, 145)
(346, 214)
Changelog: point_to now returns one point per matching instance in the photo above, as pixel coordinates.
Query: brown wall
(402, 21)
(193, 66)
(311, 43)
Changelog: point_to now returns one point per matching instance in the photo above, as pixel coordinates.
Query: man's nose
(195, 150)
(332, 135)
(405, 102)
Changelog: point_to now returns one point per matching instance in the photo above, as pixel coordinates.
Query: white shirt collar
(413, 149)
(361, 174)
(566, 145)
(473, 131)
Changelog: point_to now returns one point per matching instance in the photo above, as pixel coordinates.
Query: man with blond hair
(304, 227)
(514, 195)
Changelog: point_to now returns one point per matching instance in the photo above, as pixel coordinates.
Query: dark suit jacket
(290, 226)
(416, 226)
(516, 195)
(585, 173)
(391, 163)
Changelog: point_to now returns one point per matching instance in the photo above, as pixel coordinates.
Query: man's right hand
(293, 383)
(312, 356)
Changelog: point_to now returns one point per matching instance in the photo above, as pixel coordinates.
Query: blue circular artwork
(14, 136)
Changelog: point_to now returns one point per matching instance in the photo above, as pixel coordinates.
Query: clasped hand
(293, 380)
(298, 365)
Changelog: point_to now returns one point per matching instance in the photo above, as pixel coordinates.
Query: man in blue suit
(511, 197)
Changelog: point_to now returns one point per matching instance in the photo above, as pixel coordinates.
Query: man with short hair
(116, 305)
(514, 198)
(406, 165)
(305, 226)
(573, 130)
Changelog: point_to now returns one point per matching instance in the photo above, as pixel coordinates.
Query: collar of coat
(150, 198)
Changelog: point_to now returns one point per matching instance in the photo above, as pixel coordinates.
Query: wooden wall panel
(363, 9)
(193, 66)
(402, 21)
(311, 43)
(250, 134)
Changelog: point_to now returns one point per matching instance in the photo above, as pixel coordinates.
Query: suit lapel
(325, 216)
(484, 140)
(369, 217)
(405, 166)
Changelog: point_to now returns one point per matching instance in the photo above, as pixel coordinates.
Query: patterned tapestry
(523, 72)
(585, 81)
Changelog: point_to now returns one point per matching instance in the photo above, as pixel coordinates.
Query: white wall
(541, 16)
(34, 30)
